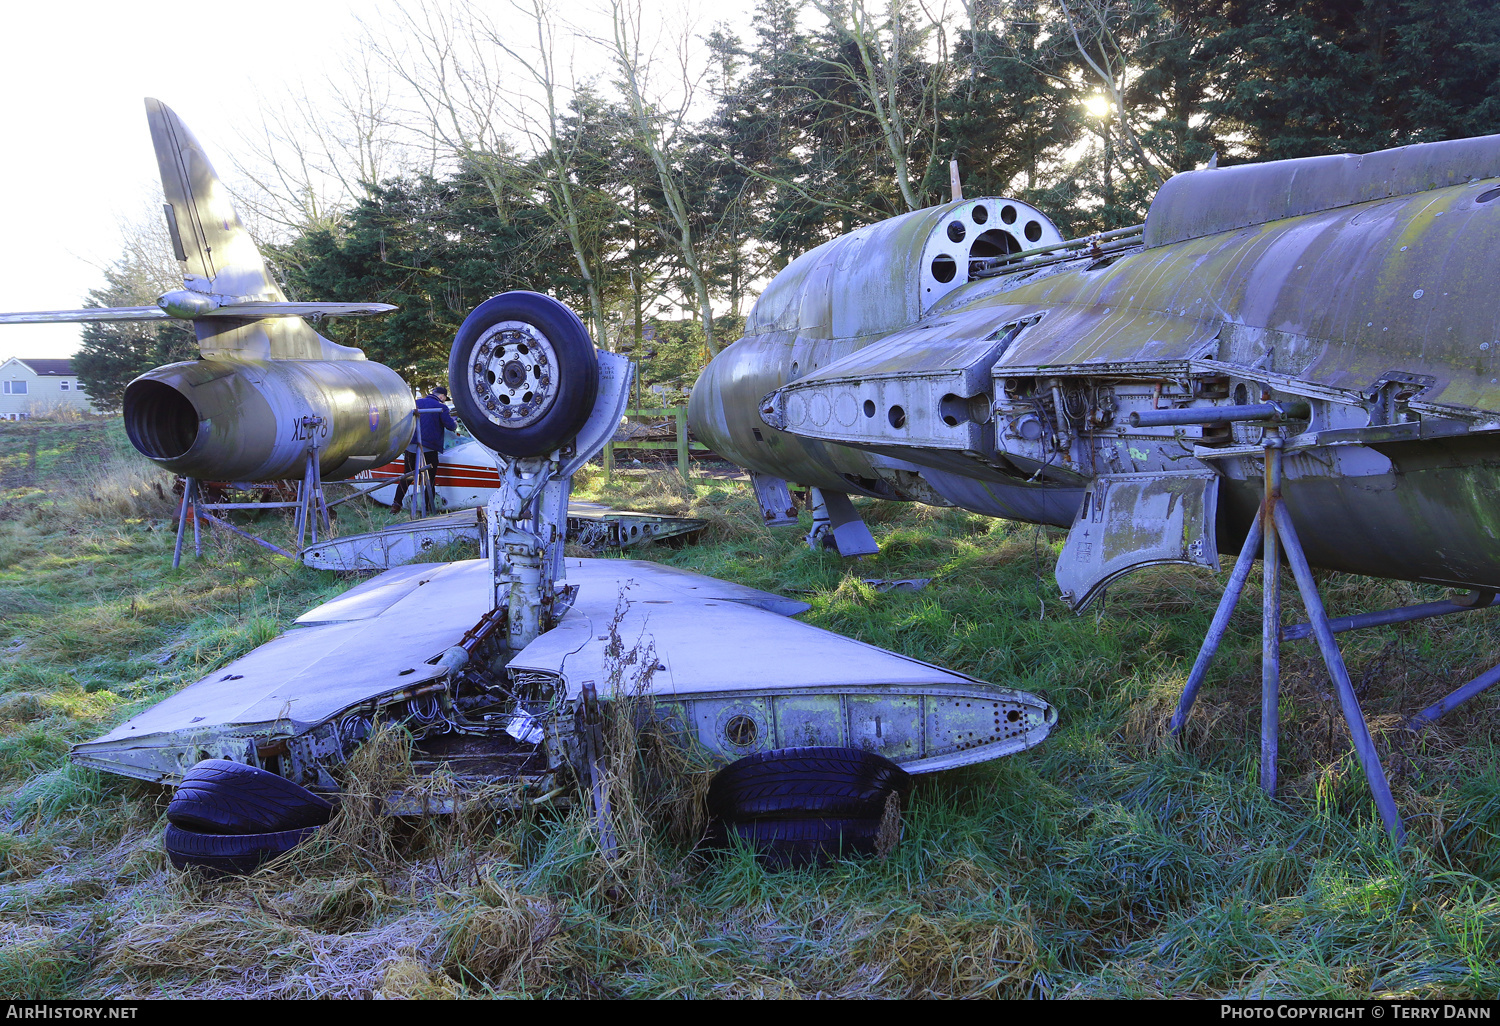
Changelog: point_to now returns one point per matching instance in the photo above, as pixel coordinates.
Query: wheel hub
(512, 375)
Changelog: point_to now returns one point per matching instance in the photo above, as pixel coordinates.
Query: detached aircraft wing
(722, 662)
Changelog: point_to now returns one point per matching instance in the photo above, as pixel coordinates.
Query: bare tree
(146, 248)
(477, 87)
(1099, 46)
(908, 124)
(659, 127)
(311, 160)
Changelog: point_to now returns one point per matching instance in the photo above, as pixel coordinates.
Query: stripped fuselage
(1356, 288)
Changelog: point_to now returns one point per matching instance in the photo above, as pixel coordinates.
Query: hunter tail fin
(220, 258)
(220, 255)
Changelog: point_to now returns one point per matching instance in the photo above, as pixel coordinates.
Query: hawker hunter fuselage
(1344, 303)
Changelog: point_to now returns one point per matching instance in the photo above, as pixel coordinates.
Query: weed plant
(1108, 861)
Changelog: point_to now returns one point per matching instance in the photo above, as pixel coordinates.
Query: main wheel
(523, 373)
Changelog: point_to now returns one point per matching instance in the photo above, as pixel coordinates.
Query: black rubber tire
(795, 783)
(788, 843)
(231, 854)
(222, 797)
(576, 374)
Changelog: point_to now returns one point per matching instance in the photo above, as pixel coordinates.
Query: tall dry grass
(1102, 863)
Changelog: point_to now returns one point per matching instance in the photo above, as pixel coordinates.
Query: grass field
(1106, 862)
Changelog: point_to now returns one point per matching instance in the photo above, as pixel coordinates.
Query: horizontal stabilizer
(123, 313)
(253, 311)
(259, 310)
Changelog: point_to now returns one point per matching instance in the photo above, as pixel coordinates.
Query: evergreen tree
(1011, 113)
(436, 249)
(1299, 77)
(112, 355)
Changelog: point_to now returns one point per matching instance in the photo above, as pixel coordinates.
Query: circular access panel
(951, 245)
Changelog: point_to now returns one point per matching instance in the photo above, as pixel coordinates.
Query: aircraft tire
(794, 783)
(789, 843)
(523, 374)
(222, 797)
(229, 854)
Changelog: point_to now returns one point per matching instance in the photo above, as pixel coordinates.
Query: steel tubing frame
(311, 508)
(1486, 680)
(1364, 745)
(1385, 617)
(1270, 620)
(1216, 629)
(1274, 533)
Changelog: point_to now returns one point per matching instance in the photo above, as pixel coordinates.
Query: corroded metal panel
(960, 723)
(1198, 203)
(734, 725)
(809, 720)
(890, 724)
(776, 505)
(394, 545)
(922, 728)
(1129, 521)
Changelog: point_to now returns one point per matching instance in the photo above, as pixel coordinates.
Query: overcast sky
(77, 155)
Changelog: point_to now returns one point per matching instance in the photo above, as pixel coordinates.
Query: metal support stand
(1274, 531)
(189, 487)
(310, 507)
(419, 483)
(1270, 621)
(1486, 680)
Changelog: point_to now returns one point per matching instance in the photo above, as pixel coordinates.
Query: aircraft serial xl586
(1300, 355)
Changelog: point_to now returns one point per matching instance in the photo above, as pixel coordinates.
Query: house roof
(54, 368)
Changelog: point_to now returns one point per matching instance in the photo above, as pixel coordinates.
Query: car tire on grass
(218, 796)
(789, 843)
(230, 854)
(796, 783)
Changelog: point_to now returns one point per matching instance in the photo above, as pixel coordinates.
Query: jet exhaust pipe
(244, 420)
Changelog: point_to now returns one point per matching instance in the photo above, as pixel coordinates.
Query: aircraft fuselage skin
(252, 420)
(1358, 291)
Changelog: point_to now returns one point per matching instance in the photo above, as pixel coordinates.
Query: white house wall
(44, 392)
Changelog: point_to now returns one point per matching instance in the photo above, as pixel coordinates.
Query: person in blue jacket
(432, 419)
